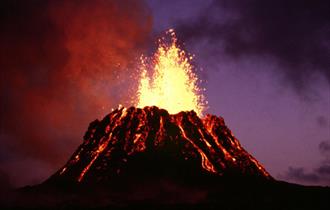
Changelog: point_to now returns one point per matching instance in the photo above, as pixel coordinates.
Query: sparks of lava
(173, 85)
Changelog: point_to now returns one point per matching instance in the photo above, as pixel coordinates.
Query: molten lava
(123, 136)
(173, 85)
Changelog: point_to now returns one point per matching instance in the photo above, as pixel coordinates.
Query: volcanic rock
(149, 159)
(152, 141)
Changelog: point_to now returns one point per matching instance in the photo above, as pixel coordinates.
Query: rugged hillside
(148, 159)
(177, 142)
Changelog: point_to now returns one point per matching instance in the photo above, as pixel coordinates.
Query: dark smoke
(324, 148)
(296, 34)
(320, 174)
(322, 121)
(61, 62)
(299, 174)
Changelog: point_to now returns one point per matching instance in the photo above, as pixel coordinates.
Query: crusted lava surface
(140, 142)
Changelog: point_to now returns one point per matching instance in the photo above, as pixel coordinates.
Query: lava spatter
(167, 79)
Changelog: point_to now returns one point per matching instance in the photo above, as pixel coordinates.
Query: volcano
(151, 158)
(148, 158)
(168, 142)
(182, 141)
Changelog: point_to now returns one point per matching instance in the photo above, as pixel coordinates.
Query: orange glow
(206, 164)
(139, 130)
(173, 85)
(99, 150)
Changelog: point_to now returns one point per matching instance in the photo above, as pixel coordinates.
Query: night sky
(266, 65)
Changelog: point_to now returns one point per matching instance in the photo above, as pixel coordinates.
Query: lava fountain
(166, 129)
(173, 85)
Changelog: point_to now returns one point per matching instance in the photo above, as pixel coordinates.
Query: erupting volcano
(163, 151)
(168, 122)
(125, 134)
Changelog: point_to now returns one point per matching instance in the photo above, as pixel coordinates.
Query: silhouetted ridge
(144, 142)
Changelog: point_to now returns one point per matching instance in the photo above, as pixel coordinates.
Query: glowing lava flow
(129, 133)
(173, 85)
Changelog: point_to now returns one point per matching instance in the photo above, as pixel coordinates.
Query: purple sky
(266, 63)
(281, 123)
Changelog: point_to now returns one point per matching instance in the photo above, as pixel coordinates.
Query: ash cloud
(296, 34)
(299, 174)
(324, 170)
(324, 148)
(320, 174)
(322, 121)
(61, 62)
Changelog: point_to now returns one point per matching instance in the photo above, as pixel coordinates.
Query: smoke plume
(295, 34)
(61, 62)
